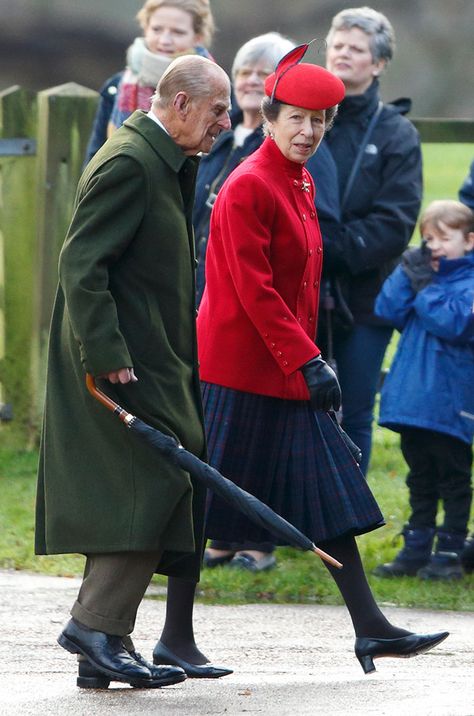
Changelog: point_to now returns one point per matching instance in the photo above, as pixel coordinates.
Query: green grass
(299, 577)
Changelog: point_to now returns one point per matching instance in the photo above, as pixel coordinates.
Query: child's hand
(416, 264)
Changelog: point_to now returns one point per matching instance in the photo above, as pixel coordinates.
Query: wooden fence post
(17, 259)
(65, 115)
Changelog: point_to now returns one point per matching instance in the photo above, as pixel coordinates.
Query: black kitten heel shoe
(367, 649)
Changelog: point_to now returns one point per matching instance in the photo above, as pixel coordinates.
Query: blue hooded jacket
(431, 380)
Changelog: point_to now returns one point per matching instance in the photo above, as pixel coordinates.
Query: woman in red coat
(269, 398)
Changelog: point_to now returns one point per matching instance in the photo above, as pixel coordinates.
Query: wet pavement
(288, 660)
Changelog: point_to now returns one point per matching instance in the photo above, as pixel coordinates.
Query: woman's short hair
(373, 23)
(270, 111)
(200, 11)
(268, 48)
(449, 212)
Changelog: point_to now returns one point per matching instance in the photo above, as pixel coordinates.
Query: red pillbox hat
(302, 84)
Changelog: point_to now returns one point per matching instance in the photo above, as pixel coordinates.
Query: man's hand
(323, 385)
(123, 375)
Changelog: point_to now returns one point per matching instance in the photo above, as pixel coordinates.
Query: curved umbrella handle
(110, 404)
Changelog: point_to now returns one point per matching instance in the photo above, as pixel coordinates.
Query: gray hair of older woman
(268, 48)
(373, 23)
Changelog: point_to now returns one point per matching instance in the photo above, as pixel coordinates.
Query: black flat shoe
(248, 562)
(104, 652)
(91, 678)
(162, 655)
(367, 649)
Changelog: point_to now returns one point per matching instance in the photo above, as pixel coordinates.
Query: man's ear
(181, 104)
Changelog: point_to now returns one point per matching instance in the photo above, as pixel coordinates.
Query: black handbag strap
(331, 287)
(360, 153)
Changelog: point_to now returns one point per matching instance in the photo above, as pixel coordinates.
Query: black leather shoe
(162, 655)
(367, 649)
(105, 652)
(91, 678)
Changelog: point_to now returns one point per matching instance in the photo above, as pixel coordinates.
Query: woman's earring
(271, 135)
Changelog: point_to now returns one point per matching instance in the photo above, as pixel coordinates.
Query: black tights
(351, 581)
(178, 632)
(368, 620)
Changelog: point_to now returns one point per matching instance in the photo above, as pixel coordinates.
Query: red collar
(269, 150)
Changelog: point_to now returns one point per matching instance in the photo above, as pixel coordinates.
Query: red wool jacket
(257, 319)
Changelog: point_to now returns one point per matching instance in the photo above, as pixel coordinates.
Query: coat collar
(359, 106)
(159, 141)
(453, 269)
(269, 151)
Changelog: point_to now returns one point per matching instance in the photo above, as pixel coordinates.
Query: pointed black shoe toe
(162, 655)
(104, 652)
(91, 678)
(367, 649)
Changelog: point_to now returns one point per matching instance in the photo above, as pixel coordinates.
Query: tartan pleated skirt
(291, 458)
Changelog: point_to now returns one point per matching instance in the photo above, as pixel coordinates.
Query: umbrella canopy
(256, 510)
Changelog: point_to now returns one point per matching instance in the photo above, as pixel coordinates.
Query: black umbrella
(257, 511)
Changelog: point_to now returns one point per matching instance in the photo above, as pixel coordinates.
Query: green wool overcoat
(125, 298)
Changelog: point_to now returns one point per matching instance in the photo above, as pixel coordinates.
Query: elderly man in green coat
(124, 312)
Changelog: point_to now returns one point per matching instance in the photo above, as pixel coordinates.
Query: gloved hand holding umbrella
(253, 508)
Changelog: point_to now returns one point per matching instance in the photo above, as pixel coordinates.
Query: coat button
(312, 214)
(295, 182)
(310, 252)
(279, 353)
(316, 284)
(272, 345)
(285, 362)
(265, 335)
(319, 250)
(310, 319)
(304, 217)
(305, 283)
(300, 320)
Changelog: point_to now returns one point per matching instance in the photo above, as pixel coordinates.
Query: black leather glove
(416, 264)
(323, 385)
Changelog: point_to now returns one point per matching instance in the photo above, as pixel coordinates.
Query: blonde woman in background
(170, 28)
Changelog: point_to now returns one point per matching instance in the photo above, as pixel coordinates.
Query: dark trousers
(112, 589)
(440, 469)
(359, 356)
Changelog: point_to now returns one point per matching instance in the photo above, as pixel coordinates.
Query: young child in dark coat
(428, 395)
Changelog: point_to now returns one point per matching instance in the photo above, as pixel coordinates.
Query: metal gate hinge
(17, 147)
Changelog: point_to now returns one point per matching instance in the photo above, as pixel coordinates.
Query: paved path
(288, 661)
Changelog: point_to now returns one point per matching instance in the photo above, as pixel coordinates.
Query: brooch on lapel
(305, 185)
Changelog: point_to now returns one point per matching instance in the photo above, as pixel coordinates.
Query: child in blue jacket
(428, 395)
